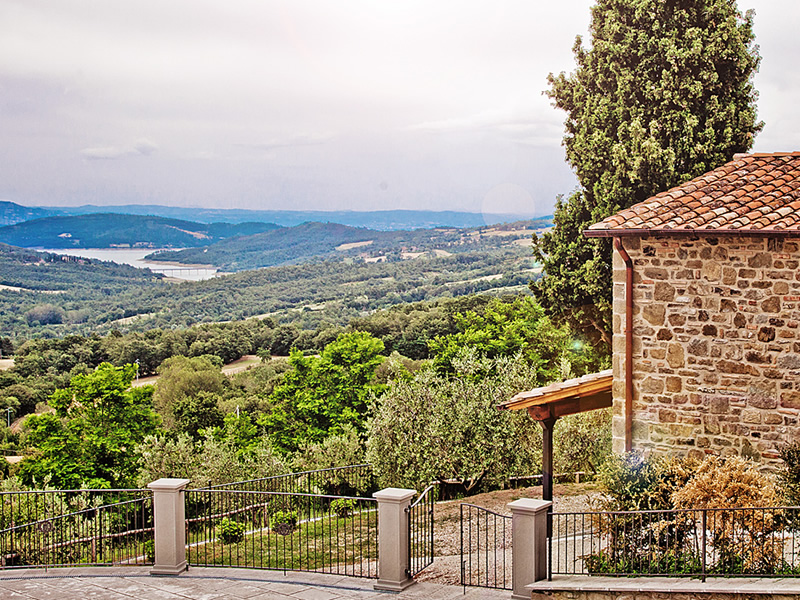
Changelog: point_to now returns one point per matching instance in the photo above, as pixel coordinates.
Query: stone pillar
(529, 543)
(393, 539)
(169, 514)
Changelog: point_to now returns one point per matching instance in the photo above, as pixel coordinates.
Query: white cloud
(142, 147)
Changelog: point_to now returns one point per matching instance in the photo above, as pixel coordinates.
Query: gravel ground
(446, 567)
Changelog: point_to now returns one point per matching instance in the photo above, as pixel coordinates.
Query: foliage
(436, 427)
(44, 314)
(89, 439)
(742, 539)
(181, 380)
(321, 395)
(193, 414)
(517, 328)
(283, 517)
(636, 481)
(230, 532)
(582, 442)
(727, 483)
(343, 507)
(664, 93)
(208, 461)
(576, 287)
(789, 475)
(667, 541)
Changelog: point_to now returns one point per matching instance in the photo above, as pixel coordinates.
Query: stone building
(707, 313)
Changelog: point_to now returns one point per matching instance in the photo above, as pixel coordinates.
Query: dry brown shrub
(744, 541)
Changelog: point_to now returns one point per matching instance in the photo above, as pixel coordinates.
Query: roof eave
(626, 232)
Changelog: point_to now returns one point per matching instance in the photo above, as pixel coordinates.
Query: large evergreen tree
(663, 94)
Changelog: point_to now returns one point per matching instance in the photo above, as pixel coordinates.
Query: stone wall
(716, 345)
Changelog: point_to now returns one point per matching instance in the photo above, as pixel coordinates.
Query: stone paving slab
(208, 583)
(685, 585)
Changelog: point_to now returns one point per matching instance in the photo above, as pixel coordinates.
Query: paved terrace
(126, 583)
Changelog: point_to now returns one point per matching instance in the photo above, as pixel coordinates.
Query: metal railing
(420, 531)
(282, 531)
(485, 548)
(352, 480)
(760, 542)
(76, 528)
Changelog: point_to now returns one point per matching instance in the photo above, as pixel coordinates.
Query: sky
(310, 104)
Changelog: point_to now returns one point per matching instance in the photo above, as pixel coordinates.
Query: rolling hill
(316, 241)
(107, 230)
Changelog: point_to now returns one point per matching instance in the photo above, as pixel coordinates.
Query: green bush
(343, 507)
(283, 521)
(789, 475)
(149, 548)
(230, 532)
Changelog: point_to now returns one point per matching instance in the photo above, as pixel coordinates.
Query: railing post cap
(529, 505)
(394, 494)
(169, 484)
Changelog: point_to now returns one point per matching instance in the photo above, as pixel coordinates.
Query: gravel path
(446, 567)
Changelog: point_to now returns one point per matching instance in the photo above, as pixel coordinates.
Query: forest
(415, 385)
(47, 295)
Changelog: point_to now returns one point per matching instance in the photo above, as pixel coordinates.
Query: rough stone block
(698, 347)
(790, 400)
(771, 304)
(789, 361)
(760, 261)
(751, 416)
(675, 356)
(674, 384)
(654, 313)
(663, 292)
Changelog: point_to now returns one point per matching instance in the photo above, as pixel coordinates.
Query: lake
(135, 258)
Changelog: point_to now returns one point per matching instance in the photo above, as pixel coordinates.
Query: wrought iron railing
(420, 531)
(485, 548)
(76, 528)
(352, 480)
(698, 543)
(282, 531)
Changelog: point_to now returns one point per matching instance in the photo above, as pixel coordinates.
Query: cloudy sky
(309, 104)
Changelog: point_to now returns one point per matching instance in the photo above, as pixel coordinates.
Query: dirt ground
(446, 568)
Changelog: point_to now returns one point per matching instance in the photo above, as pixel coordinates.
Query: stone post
(169, 514)
(393, 539)
(529, 543)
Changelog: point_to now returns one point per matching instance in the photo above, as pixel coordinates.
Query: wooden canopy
(547, 404)
(564, 397)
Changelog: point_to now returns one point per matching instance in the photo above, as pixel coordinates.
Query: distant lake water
(135, 258)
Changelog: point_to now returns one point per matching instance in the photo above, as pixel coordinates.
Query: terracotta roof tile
(754, 193)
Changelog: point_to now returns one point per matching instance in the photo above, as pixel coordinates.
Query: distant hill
(106, 230)
(318, 241)
(285, 245)
(382, 220)
(11, 213)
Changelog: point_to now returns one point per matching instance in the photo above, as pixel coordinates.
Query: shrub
(283, 522)
(743, 540)
(230, 532)
(634, 481)
(789, 475)
(149, 548)
(343, 507)
(739, 541)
